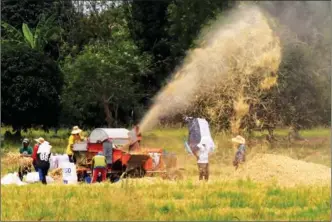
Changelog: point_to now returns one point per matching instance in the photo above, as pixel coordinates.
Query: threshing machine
(124, 154)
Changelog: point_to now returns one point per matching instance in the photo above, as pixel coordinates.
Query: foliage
(37, 38)
(31, 88)
(159, 34)
(17, 12)
(105, 70)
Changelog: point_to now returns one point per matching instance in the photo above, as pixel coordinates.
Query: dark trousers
(43, 170)
(203, 169)
(35, 166)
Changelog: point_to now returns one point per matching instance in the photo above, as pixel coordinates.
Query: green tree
(103, 75)
(35, 38)
(166, 30)
(31, 85)
(30, 12)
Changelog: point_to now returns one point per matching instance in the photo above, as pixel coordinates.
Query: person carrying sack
(43, 160)
(202, 155)
(39, 141)
(99, 167)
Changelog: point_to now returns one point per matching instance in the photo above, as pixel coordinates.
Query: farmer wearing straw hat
(25, 151)
(240, 154)
(73, 138)
(43, 160)
(39, 141)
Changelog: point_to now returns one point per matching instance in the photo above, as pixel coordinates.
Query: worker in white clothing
(202, 155)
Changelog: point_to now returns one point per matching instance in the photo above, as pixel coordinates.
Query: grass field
(187, 199)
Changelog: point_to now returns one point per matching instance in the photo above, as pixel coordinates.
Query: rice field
(155, 199)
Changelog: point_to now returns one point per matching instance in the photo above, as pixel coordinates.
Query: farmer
(240, 154)
(202, 155)
(99, 167)
(25, 151)
(76, 136)
(39, 141)
(43, 160)
(200, 143)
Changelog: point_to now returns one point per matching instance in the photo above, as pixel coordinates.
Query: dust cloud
(240, 44)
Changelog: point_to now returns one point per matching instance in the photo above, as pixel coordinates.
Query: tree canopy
(102, 63)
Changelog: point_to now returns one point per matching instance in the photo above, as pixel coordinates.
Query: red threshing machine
(124, 155)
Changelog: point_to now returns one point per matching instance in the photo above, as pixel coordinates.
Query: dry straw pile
(284, 170)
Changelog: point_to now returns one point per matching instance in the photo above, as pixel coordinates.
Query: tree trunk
(107, 111)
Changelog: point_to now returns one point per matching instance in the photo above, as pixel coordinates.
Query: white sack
(11, 178)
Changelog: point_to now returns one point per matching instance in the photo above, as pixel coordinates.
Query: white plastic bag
(11, 178)
(54, 162)
(206, 137)
(199, 135)
(62, 159)
(32, 177)
(69, 175)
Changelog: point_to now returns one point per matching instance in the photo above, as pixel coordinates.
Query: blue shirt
(242, 148)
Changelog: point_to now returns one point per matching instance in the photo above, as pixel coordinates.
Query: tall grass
(162, 200)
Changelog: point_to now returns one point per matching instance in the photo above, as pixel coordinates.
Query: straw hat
(40, 140)
(239, 139)
(76, 130)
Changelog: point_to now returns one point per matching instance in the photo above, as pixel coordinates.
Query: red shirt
(34, 153)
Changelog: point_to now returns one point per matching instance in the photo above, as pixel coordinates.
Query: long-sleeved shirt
(71, 142)
(34, 153)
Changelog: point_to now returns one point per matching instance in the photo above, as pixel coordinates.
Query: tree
(106, 71)
(16, 12)
(31, 85)
(37, 38)
(166, 30)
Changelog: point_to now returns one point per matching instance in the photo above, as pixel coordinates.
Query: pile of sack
(12, 178)
(60, 168)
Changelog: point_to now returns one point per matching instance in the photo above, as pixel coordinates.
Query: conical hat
(239, 139)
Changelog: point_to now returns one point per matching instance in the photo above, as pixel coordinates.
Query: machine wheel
(114, 177)
(137, 172)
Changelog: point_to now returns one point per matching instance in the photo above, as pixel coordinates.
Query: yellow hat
(239, 139)
(76, 130)
(40, 140)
